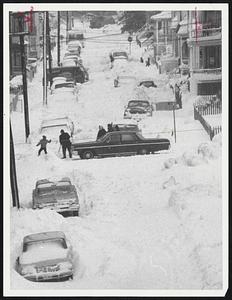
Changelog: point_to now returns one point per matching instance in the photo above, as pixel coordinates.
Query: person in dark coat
(101, 132)
(43, 145)
(141, 59)
(148, 62)
(116, 128)
(110, 127)
(111, 61)
(65, 143)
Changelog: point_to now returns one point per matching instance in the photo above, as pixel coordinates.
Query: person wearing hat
(43, 145)
(65, 143)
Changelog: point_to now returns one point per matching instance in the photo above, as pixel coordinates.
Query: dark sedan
(120, 143)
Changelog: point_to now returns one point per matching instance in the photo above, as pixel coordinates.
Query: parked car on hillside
(60, 196)
(75, 73)
(64, 87)
(138, 107)
(52, 127)
(120, 143)
(45, 256)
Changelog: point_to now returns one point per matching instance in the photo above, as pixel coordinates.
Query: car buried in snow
(46, 256)
(120, 143)
(138, 108)
(52, 127)
(60, 196)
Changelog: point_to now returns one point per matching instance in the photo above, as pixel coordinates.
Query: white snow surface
(146, 222)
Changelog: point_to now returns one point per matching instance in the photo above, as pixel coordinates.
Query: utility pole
(66, 27)
(13, 177)
(44, 60)
(174, 120)
(58, 38)
(24, 75)
(48, 42)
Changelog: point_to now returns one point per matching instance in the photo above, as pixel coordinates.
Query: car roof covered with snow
(43, 236)
(46, 182)
(55, 122)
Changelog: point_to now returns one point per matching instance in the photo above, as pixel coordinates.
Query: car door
(111, 145)
(129, 143)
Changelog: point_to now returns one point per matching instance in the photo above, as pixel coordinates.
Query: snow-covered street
(146, 221)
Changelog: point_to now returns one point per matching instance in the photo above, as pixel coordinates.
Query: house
(205, 49)
(31, 40)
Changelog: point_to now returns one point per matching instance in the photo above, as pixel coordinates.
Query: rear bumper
(62, 209)
(49, 276)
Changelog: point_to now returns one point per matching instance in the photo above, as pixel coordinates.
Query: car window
(126, 137)
(113, 139)
(47, 244)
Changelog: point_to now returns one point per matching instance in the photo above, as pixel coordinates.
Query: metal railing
(215, 71)
(206, 32)
(211, 131)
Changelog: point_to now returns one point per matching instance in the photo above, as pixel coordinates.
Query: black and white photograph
(115, 149)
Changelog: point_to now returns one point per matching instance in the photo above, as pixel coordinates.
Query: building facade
(205, 52)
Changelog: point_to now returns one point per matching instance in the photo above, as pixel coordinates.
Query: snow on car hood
(38, 254)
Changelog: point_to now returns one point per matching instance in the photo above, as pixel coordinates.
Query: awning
(161, 16)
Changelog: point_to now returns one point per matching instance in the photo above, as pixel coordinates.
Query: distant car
(52, 127)
(147, 83)
(138, 107)
(120, 143)
(60, 196)
(119, 55)
(46, 256)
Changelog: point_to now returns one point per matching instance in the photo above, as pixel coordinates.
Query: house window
(32, 43)
(16, 59)
(209, 88)
(210, 57)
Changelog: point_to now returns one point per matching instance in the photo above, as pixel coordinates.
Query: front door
(111, 145)
(129, 143)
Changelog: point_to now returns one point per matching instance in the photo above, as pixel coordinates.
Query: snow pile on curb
(205, 152)
(197, 207)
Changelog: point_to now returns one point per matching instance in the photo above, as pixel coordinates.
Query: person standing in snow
(148, 62)
(111, 61)
(65, 143)
(110, 127)
(101, 132)
(43, 145)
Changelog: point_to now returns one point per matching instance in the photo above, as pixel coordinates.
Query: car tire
(76, 213)
(142, 151)
(87, 154)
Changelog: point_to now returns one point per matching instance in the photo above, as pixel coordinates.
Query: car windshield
(115, 54)
(138, 103)
(48, 245)
(64, 84)
(147, 83)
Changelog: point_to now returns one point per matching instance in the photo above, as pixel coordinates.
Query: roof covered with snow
(161, 16)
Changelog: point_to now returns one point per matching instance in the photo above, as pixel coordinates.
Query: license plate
(47, 269)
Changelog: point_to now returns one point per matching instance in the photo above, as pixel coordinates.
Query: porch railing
(211, 131)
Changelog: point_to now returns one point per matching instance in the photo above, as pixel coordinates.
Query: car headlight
(27, 270)
(65, 265)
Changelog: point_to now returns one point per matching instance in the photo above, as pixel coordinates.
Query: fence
(212, 131)
(210, 109)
